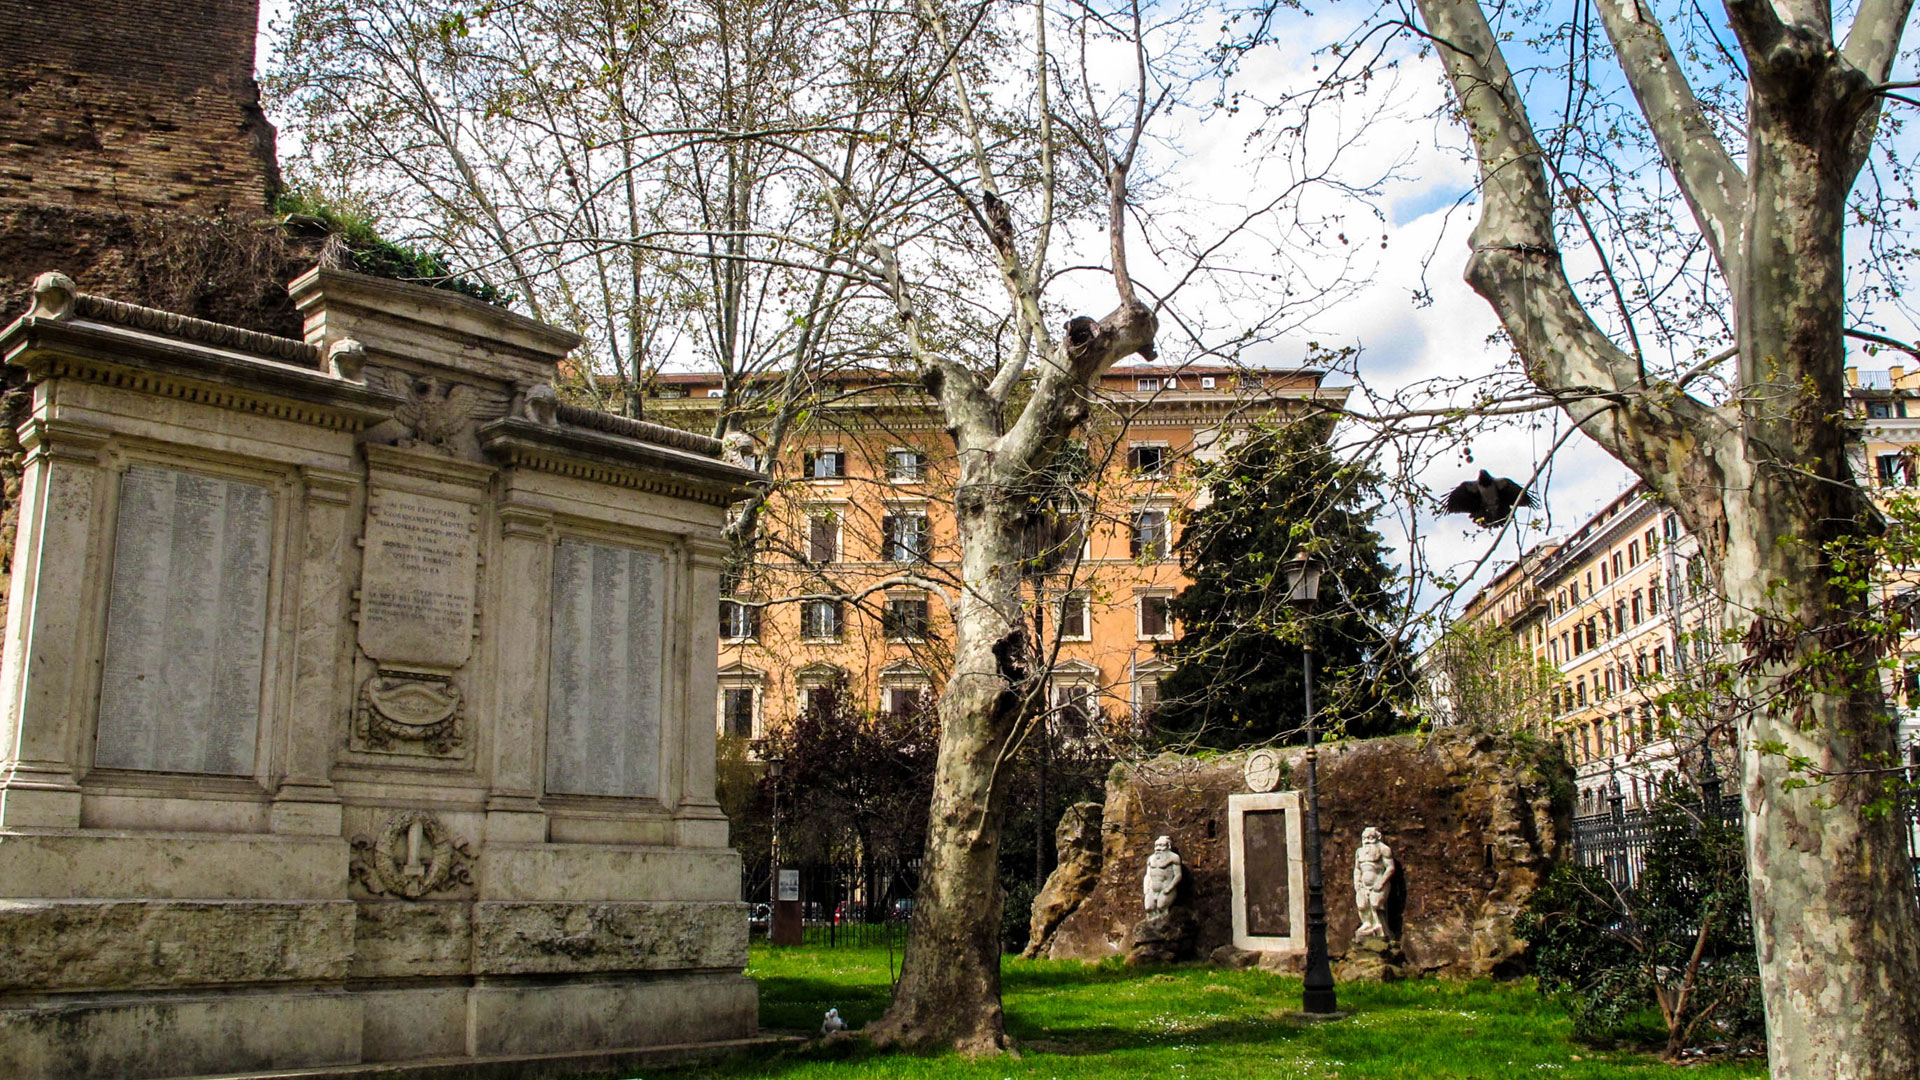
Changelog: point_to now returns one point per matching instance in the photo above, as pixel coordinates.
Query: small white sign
(789, 884)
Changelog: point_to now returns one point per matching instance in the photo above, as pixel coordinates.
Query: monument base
(1372, 959)
(304, 978)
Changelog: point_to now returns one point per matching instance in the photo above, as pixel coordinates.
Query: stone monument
(1372, 872)
(1162, 877)
(357, 701)
(1266, 844)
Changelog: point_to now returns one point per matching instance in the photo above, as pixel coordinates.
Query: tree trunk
(1762, 481)
(949, 990)
(1833, 905)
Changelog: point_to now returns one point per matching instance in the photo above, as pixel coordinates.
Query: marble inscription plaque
(1269, 904)
(606, 657)
(186, 624)
(417, 580)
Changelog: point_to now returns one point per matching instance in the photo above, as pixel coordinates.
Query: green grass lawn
(1075, 1022)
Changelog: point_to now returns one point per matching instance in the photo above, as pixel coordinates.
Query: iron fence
(1616, 842)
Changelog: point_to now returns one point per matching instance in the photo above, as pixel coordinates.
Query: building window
(823, 538)
(1147, 460)
(1156, 623)
(1633, 553)
(904, 536)
(905, 618)
(1146, 699)
(1618, 564)
(825, 464)
(903, 700)
(1580, 692)
(818, 700)
(1653, 598)
(906, 466)
(821, 620)
(1620, 616)
(1074, 623)
(1148, 541)
(1660, 660)
(1076, 710)
(1146, 385)
(739, 622)
(1672, 525)
(1896, 470)
(1653, 545)
(737, 712)
(1879, 410)
(1639, 612)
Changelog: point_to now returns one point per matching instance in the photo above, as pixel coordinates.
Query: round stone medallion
(1263, 770)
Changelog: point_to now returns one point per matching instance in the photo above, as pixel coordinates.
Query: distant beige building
(1620, 609)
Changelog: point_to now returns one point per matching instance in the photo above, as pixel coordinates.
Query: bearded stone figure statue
(1163, 876)
(1372, 872)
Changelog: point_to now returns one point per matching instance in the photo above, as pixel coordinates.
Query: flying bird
(1489, 502)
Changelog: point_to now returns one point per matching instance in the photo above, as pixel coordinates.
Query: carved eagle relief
(438, 412)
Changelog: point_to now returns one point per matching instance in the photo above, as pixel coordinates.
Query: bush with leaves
(854, 790)
(359, 246)
(1679, 939)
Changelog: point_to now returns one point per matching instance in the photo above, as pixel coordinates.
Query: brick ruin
(134, 157)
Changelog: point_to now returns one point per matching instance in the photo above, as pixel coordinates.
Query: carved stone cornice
(614, 459)
(187, 370)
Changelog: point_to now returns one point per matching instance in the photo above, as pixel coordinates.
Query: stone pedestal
(1372, 959)
(354, 712)
(1164, 937)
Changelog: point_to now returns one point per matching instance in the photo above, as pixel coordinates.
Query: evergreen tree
(1237, 675)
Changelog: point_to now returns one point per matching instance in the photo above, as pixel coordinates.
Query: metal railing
(1616, 842)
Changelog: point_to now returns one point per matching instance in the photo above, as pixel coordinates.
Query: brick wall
(133, 105)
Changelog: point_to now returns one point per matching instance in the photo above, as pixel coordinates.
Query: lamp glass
(1303, 579)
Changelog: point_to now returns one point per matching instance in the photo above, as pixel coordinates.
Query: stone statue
(1372, 872)
(1163, 876)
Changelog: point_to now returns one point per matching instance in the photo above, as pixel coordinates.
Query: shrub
(1679, 939)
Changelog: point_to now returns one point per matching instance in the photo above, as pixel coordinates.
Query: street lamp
(1317, 995)
(775, 766)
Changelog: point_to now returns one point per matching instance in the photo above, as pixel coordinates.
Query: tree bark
(1762, 481)
(949, 990)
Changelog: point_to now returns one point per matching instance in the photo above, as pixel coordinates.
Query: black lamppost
(1317, 995)
(775, 766)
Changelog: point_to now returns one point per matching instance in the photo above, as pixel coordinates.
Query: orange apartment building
(862, 513)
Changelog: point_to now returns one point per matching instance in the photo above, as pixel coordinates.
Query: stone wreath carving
(413, 856)
(419, 710)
